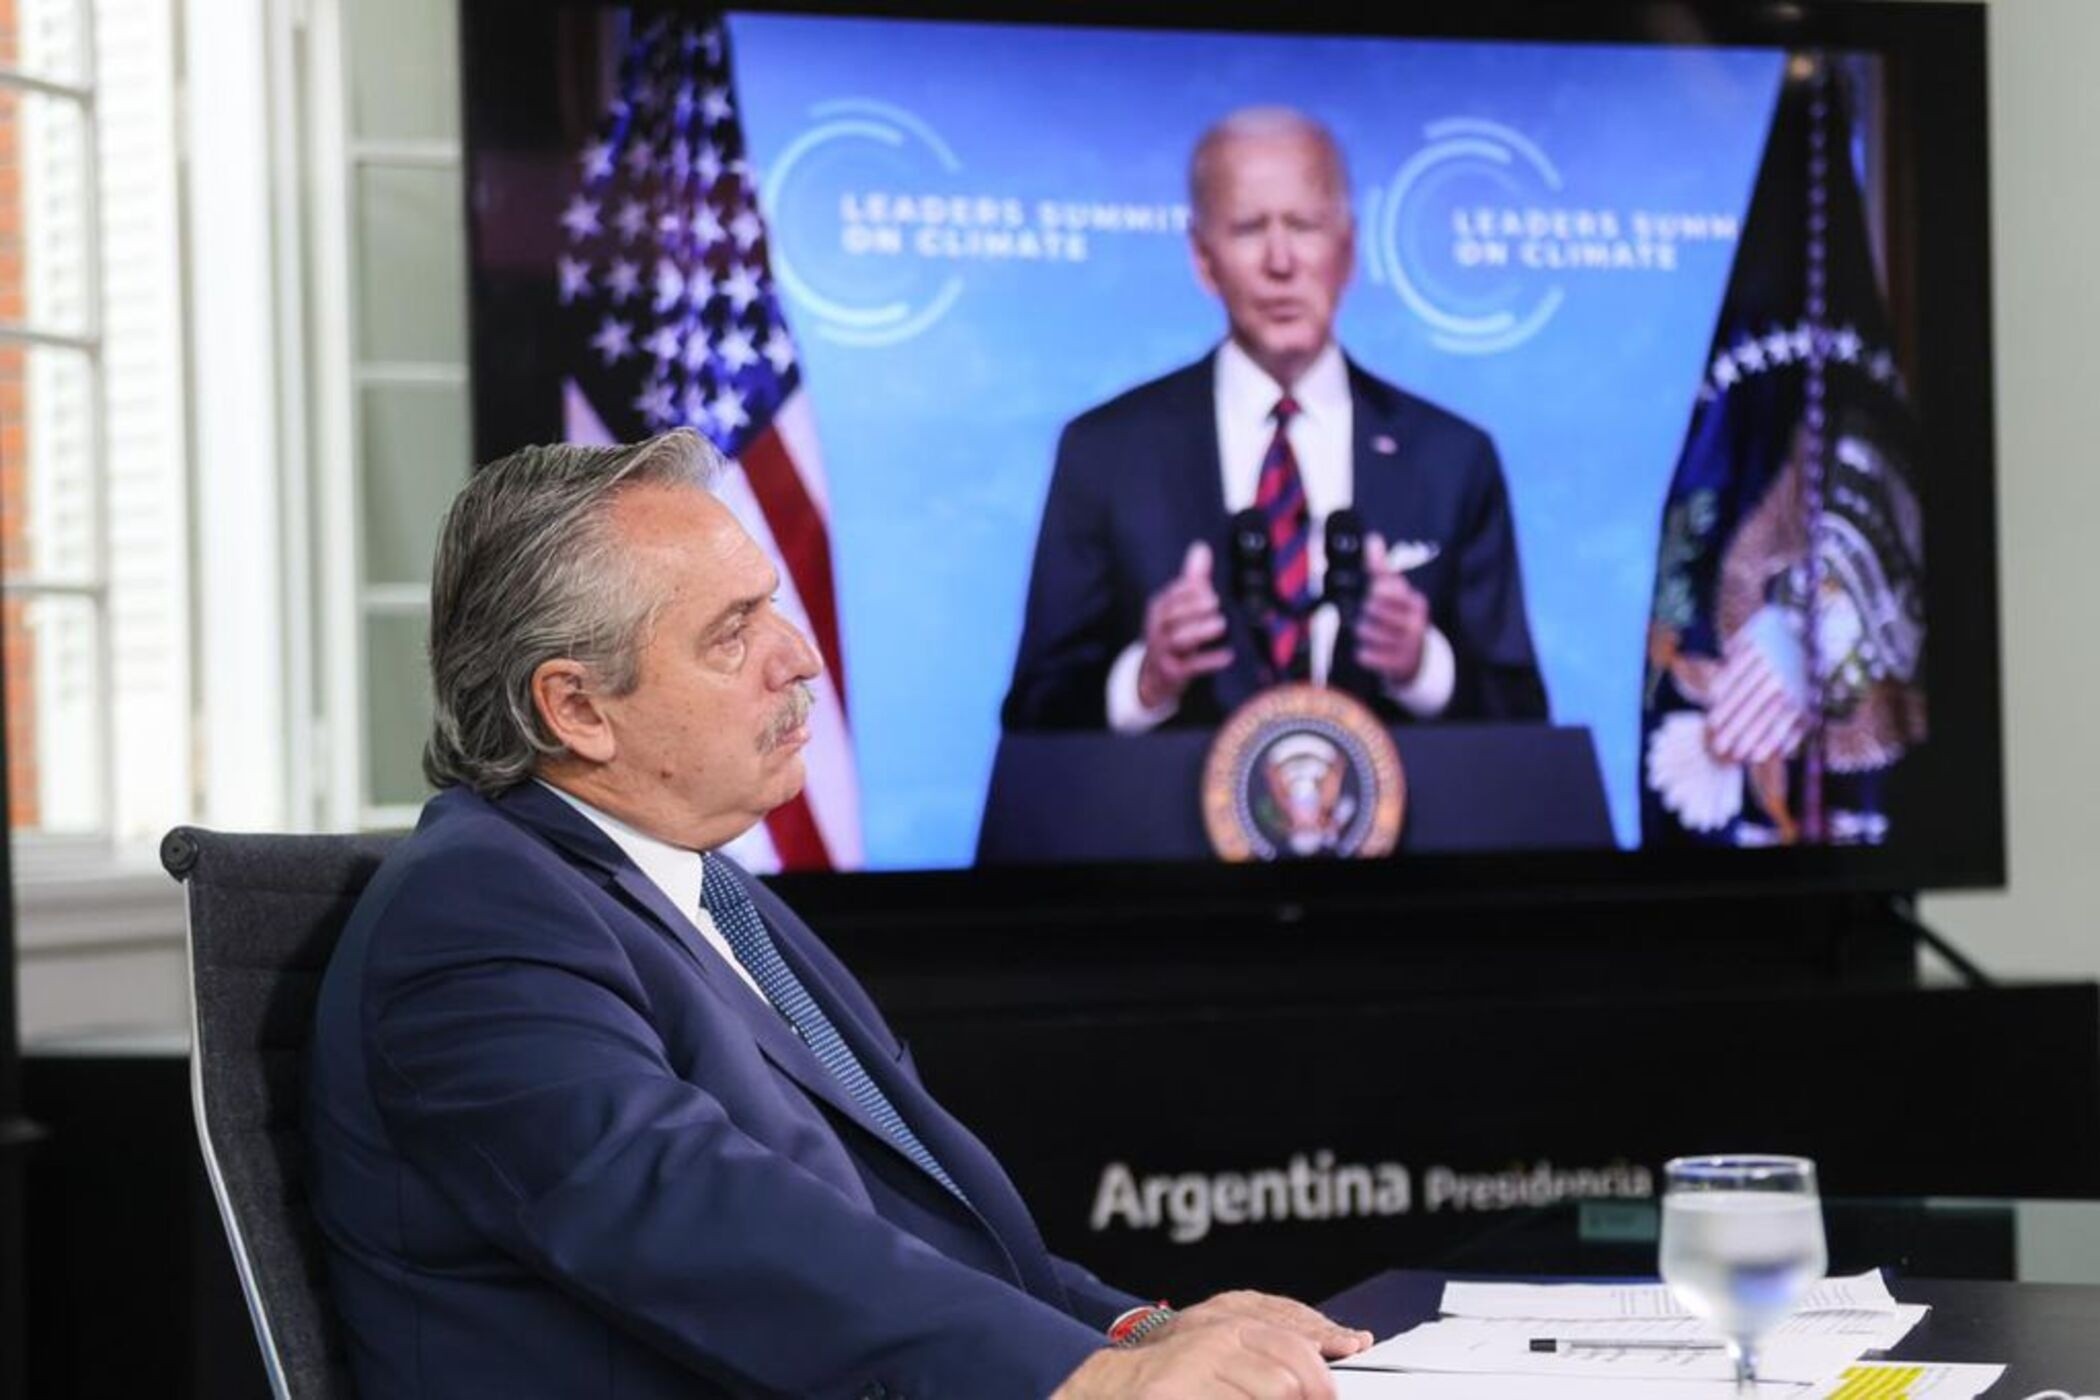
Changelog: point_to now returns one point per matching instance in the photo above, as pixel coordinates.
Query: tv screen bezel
(1940, 67)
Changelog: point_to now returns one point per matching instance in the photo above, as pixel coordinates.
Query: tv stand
(1903, 912)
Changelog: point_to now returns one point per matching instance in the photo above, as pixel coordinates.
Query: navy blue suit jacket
(560, 1148)
(1137, 479)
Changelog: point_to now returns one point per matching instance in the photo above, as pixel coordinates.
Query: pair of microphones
(1254, 564)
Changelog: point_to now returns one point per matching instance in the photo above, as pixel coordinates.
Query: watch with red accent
(1139, 1323)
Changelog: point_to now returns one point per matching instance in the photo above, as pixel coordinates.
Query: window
(233, 405)
(390, 357)
(95, 544)
(93, 517)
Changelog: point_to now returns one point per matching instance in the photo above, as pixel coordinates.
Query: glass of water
(1742, 1239)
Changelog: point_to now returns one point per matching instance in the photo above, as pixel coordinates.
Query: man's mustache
(792, 713)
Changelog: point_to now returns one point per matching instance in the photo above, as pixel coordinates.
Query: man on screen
(1127, 624)
(591, 1112)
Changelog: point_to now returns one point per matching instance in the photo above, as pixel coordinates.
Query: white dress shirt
(675, 870)
(1322, 437)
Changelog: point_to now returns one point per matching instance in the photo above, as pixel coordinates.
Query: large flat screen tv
(1663, 383)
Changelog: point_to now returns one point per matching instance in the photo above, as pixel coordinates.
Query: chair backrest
(264, 914)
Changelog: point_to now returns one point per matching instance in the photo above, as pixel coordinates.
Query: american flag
(671, 319)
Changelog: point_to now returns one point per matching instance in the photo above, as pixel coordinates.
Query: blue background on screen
(939, 383)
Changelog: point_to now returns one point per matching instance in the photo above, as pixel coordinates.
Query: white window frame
(278, 605)
(33, 850)
(101, 910)
(343, 370)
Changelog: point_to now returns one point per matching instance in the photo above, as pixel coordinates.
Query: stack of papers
(1865, 1380)
(1504, 1341)
(1860, 1293)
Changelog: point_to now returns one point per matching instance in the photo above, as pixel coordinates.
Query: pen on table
(1564, 1345)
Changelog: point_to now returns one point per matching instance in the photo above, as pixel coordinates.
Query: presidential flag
(670, 318)
(1786, 646)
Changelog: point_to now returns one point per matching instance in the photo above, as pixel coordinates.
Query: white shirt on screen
(673, 869)
(1322, 439)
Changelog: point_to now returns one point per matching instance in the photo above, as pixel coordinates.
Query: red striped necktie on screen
(1280, 496)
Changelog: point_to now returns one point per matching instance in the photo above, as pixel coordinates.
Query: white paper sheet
(1877, 1331)
(1370, 1385)
(1870, 1330)
(1860, 1293)
(1867, 1381)
(1494, 1346)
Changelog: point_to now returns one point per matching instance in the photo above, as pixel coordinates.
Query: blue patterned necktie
(736, 918)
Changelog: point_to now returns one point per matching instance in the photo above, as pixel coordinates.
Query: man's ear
(569, 705)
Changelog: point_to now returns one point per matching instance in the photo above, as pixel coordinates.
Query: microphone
(1346, 579)
(1253, 576)
(1253, 586)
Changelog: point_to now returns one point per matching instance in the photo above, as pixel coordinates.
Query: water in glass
(1742, 1239)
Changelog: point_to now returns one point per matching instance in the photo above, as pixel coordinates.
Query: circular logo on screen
(843, 170)
(1480, 236)
(877, 227)
(1472, 295)
(1302, 771)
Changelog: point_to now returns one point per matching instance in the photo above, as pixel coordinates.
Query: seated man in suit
(1124, 626)
(592, 1113)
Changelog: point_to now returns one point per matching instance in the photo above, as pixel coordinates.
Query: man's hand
(1285, 1314)
(1394, 621)
(1181, 621)
(1224, 1360)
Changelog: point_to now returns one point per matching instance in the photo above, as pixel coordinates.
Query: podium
(1058, 797)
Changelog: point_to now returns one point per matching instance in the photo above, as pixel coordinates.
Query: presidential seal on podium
(1302, 771)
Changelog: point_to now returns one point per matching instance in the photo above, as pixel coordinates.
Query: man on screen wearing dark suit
(1125, 627)
(591, 1112)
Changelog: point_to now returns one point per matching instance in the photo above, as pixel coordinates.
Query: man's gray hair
(529, 568)
(1258, 124)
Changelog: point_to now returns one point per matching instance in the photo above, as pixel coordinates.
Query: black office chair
(264, 915)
